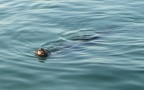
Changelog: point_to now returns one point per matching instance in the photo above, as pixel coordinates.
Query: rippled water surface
(114, 61)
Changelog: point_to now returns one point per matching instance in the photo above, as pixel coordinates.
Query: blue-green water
(115, 61)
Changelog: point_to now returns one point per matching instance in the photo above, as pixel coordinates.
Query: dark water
(112, 62)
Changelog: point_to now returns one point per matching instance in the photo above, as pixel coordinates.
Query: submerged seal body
(69, 38)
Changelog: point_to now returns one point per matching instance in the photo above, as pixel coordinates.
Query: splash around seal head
(42, 53)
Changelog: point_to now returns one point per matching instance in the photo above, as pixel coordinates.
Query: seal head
(42, 53)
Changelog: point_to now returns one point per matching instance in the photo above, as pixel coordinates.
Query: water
(112, 62)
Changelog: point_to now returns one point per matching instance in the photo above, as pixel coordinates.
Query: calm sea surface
(115, 61)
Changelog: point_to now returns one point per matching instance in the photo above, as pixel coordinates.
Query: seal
(42, 53)
(67, 40)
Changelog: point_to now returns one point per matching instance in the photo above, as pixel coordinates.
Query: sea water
(115, 61)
